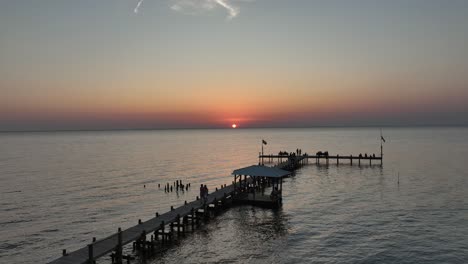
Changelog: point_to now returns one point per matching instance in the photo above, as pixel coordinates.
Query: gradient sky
(102, 64)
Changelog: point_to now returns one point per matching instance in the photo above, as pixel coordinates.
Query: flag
(264, 142)
(383, 139)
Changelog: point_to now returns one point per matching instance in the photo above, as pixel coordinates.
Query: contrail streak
(137, 6)
(197, 5)
(232, 11)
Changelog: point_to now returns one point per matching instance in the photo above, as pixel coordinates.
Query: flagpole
(381, 147)
(262, 151)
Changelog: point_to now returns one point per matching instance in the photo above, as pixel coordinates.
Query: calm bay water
(59, 189)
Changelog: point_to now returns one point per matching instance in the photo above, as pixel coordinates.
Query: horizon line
(229, 128)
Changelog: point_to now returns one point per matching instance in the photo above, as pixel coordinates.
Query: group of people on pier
(275, 193)
(203, 193)
(285, 153)
(322, 153)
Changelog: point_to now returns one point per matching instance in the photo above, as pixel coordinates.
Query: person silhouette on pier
(202, 193)
(205, 192)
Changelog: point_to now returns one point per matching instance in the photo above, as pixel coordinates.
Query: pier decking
(189, 212)
(318, 158)
(117, 241)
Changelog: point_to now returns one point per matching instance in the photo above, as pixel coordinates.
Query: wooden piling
(119, 246)
(171, 229)
(178, 224)
(193, 218)
(163, 235)
(90, 254)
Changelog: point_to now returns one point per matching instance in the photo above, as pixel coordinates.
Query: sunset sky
(108, 64)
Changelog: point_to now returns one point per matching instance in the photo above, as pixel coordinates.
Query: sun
(234, 125)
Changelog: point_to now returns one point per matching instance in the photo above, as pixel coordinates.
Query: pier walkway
(318, 158)
(189, 212)
(101, 247)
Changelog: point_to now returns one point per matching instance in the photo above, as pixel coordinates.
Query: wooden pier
(187, 214)
(283, 159)
(176, 222)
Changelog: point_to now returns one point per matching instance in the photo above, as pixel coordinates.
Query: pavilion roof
(261, 171)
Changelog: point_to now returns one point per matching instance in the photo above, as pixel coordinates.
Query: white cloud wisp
(198, 6)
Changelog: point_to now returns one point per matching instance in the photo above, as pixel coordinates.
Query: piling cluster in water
(176, 185)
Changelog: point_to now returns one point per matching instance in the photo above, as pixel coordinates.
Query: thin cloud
(197, 6)
(233, 11)
(137, 7)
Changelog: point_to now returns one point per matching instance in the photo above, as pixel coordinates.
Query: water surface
(59, 189)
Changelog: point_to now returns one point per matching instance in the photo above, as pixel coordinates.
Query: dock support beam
(90, 254)
(119, 247)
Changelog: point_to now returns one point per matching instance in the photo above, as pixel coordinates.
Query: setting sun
(234, 126)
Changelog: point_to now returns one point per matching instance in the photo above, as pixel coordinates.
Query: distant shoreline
(228, 128)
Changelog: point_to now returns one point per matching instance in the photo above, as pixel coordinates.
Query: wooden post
(193, 218)
(351, 159)
(119, 246)
(163, 236)
(143, 242)
(337, 159)
(143, 237)
(90, 254)
(178, 225)
(172, 229)
(64, 252)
